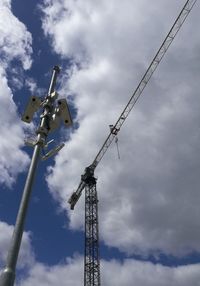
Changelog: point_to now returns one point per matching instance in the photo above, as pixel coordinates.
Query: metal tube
(56, 71)
(7, 277)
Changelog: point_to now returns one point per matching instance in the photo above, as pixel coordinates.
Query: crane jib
(146, 77)
(139, 89)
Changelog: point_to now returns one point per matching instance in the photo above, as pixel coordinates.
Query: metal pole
(7, 277)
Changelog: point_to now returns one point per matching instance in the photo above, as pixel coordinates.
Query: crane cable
(145, 79)
(138, 91)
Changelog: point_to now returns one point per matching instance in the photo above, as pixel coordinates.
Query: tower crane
(88, 180)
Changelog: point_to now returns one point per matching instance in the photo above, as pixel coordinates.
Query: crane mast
(88, 182)
(138, 91)
(91, 259)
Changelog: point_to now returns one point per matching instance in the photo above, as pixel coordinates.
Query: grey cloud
(149, 199)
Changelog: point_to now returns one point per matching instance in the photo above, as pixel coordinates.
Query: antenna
(53, 152)
(51, 112)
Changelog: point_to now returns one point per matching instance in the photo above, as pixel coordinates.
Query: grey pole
(7, 277)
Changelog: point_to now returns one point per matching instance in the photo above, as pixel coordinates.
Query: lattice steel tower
(92, 261)
(88, 182)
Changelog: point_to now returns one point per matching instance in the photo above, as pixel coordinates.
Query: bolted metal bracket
(52, 152)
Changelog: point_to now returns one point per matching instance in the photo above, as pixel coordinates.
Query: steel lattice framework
(145, 79)
(138, 91)
(92, 266)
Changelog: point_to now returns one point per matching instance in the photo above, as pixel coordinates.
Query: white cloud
(31, 84)
(113, 273)
(69, 272)
(15, 44)
(132, 272)
(149, 200)
(11, 137)
(15, 40)
(26, 256)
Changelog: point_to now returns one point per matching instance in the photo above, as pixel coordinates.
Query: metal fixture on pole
(50, 120)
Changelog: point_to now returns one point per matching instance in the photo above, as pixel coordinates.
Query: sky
(149, 199)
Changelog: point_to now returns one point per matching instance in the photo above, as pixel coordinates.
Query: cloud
(15, 45)
(113, 273)
(69, 272)
(26, 255)
(131, 272)
(149, 200)
(11, 155)
(15, 40)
